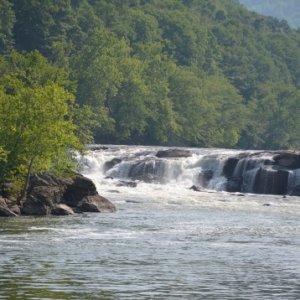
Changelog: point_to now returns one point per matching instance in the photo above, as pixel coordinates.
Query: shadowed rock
(95, 203)
(234, 184)
(196, 188)
(148, 170)
(271, 180)
(62, 210)
(288, 160)
(173, 153)
(229, 166)
(110, 164)
(49, 194)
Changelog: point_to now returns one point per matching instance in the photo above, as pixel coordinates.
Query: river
(164, 242)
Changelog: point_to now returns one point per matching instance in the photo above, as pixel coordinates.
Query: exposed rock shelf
(52, 195)
(261, 172)
(275, 173)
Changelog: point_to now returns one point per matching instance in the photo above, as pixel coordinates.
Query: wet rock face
(270, 180)
(230, 166)
(78, 189)
(110, 164)
(204, 177)
(234, 184)
(173, 153)
(263, 173)
(48, 194)
(147, 170)
(288, 160)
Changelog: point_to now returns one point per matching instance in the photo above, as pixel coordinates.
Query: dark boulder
(148, 170)
(78, 189)
(45, 190)
(173, 153)
(196, 188)
(229, 166)
(288, 160)
(49, 194)
(234, 184)
(97, 147)
(40, 201)
(62, 210)
(110, 164)
(271, 180)
(95, 203)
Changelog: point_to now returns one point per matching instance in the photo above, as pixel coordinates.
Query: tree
(36, 130)
(273, 123)
(7, 21)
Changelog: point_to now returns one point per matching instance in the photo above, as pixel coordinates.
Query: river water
(164, 242)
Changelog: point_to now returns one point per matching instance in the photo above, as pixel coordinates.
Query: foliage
(184, 72)
(7, 21)
(36, 131)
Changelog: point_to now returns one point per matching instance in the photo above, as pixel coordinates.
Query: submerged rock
(127, 183)
(173, 153)
(196, 188)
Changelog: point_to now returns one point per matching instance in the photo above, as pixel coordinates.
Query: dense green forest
(282, 9)
(170, 72)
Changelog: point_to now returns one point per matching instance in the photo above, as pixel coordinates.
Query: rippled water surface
(148, 250)
(162, 243)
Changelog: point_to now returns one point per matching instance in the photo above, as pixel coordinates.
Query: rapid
(166, 241)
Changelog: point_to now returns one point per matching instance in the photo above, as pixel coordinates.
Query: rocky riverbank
(52, 195)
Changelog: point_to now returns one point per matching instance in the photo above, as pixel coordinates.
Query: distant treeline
(169, 72)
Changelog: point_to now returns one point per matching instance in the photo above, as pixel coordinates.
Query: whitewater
(166, 241)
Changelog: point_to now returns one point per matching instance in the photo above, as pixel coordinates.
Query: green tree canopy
(36, 131)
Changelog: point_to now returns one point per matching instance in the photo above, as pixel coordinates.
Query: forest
(287, 9)
(205, 73)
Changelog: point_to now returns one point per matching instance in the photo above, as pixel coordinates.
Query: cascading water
(200, 169)
(165, 241)
(140, 164)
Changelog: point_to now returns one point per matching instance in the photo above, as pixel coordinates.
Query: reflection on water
(212, 249)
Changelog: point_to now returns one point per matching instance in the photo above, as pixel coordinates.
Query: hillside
(176, 72)
(282, 9)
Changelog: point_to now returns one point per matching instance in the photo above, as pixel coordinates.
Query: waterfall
(200, 169)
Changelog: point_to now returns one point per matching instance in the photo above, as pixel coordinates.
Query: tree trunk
(26, 184)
